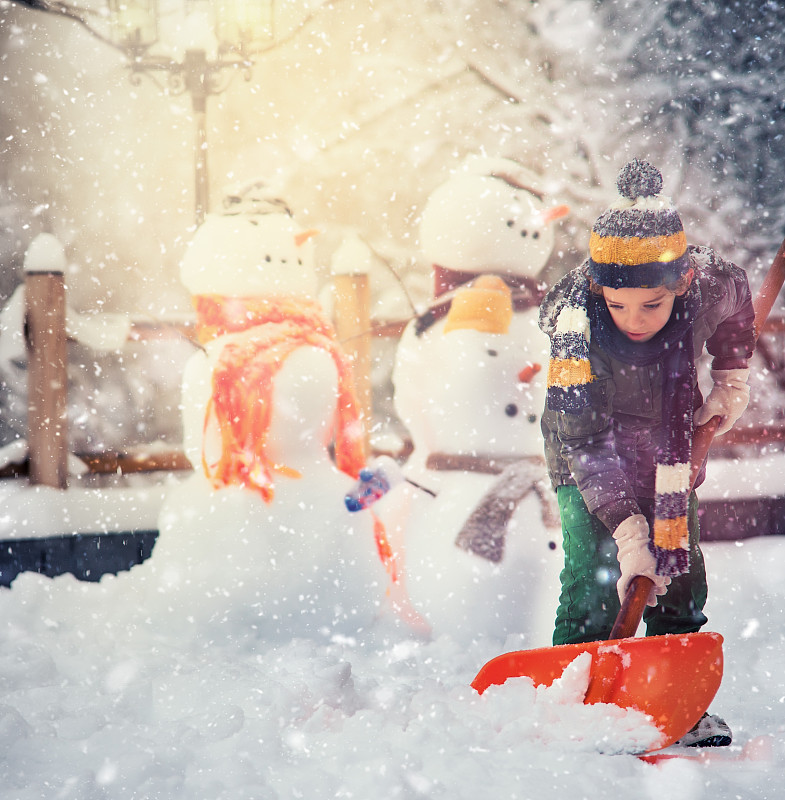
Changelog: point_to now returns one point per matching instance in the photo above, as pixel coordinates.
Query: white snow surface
(45, 254)
(151, 685)
(113, 690)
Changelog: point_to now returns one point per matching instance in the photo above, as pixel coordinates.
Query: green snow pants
(589, 602)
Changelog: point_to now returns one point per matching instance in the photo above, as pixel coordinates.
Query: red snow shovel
(671, 678)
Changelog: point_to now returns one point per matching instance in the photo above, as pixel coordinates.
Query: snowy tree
(697, 85)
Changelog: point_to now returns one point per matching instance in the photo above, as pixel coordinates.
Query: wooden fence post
(350, 266)
(47, 358)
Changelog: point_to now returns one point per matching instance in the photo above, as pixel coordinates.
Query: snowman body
(271, 547)
(472, 419)
(460, 392)
(471, 395)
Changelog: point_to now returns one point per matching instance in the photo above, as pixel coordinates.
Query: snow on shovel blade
(671, 678)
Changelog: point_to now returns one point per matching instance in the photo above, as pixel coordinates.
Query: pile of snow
(105, 697)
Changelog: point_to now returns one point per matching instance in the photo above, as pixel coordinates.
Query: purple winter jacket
(609, 450)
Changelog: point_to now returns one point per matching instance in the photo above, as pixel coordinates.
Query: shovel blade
(671, 678)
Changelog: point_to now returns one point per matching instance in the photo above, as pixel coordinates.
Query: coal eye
(510, 223)
(268, 258)
(524, 233)
(493, 353)
(511, 410)
(536, 235)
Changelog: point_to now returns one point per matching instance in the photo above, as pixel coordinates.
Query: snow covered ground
(113, 689)
(109, 691)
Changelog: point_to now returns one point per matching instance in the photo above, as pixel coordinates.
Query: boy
(623, 400)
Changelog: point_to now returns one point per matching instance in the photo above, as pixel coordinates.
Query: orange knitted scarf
(240, 406)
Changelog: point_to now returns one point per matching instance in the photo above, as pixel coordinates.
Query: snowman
(473, 527)
(489, 218)
(259, 534)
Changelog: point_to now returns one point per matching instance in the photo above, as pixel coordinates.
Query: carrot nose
(551, 214)
(528, 372)
(301, 238)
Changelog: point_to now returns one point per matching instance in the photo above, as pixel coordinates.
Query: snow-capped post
(351, 264)
(45, 338)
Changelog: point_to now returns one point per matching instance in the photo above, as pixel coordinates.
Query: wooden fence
(47, 358)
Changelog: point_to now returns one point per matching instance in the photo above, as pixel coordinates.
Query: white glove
(635, 557)
(727, 399)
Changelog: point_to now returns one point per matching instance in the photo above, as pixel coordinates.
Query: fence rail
(47, 387)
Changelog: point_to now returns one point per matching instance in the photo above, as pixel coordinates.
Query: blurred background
(353, 112)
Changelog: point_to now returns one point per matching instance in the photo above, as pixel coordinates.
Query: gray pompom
(639, 179)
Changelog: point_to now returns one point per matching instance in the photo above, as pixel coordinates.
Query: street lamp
(134, 25)
(217, 35)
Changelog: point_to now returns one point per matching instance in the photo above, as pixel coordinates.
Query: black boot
(708, 731)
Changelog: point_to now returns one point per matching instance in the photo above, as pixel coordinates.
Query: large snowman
(490, 217)
(473, 527)
(259, 533)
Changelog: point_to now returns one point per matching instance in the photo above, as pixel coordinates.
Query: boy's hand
(727, 399)
(635, 557)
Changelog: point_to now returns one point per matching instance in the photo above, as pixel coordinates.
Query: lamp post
(219, 36)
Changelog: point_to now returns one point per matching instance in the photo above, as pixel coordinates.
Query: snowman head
(490, 217)
(249, 255)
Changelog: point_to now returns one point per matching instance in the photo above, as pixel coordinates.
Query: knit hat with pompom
(639, 241)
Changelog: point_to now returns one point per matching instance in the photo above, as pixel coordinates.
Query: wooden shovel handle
(769, 289)
(632, 608)
(702, 437)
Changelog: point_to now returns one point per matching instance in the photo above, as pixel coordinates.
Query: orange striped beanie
(639, 241)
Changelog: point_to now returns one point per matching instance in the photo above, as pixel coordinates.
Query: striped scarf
(571, 319)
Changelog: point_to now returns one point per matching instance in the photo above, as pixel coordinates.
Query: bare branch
(76, 13)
